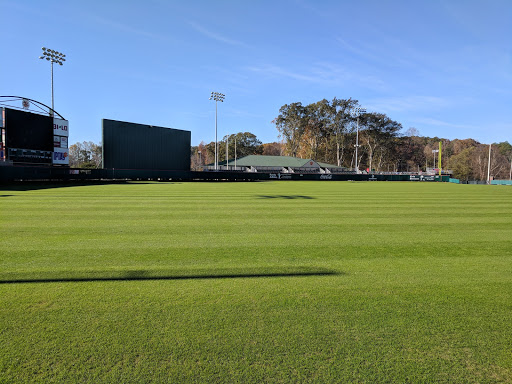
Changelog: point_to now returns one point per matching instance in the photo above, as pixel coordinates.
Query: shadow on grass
(21, 186)
(134, 275)
(288, 197)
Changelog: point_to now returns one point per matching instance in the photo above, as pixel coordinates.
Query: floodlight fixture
(359, 111)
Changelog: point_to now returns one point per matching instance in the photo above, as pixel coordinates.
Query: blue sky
(443, 67)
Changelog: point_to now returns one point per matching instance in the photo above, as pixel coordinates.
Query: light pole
(434, 151)
(227, 151)
(53, 57)
(509, 177)
(217, 96)
(358, 112)
(227, 148)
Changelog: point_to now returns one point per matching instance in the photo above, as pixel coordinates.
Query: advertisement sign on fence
(60, 156)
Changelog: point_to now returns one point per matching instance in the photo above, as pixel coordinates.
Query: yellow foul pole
(439, 166)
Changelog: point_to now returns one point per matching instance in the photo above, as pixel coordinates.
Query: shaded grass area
(362, 282)
(119, 274)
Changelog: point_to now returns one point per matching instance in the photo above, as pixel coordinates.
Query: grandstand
(281, 164)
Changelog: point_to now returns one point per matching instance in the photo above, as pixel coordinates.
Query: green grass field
(256, 282)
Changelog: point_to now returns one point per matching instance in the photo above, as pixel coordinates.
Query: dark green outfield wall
(12, 173)
(139, 146)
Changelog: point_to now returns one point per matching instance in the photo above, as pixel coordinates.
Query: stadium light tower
(357, 113)
(217, 96)
(435, 152)
(53, 57)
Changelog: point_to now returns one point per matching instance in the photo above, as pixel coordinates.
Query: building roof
(278, 161)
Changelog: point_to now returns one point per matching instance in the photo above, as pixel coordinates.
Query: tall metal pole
(52, 89)
(217, 96)
(358, 112)
(357, 145)
(216, 158)
(53, 57)
(434, 152)
(227, 150)
(235, 157)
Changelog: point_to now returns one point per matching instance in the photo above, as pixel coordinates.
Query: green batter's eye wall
(140, 146)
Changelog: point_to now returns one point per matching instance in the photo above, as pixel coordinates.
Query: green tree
(461, 164)
(246, 144)
(378, 133)
(291, 125)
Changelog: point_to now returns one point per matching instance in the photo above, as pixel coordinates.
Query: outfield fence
(501, 182)
(31, 173)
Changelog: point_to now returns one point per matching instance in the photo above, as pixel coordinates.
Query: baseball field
(255, 282)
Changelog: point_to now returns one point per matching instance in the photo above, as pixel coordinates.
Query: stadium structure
(34, 146)
(280, 164)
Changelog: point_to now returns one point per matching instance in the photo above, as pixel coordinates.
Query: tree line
(328, 131)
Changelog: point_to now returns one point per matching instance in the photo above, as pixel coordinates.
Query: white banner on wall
(60, 127)
(60, 156)
(60, 142)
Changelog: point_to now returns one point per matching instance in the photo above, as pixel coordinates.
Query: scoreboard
(33, 138)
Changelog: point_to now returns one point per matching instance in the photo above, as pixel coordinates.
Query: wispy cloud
(127, 28)
(214, 35)
(408, 103)
(274, 70)
(445, 124)
(321, 73)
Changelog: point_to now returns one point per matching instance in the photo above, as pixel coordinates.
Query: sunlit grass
(256, 282)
